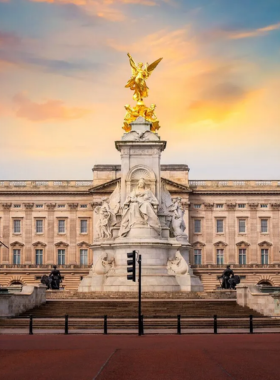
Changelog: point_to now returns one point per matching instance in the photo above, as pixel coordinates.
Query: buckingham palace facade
(52, 222)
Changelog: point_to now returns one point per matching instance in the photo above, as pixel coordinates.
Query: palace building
(52, 222)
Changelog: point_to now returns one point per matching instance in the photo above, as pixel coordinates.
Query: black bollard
(215, 325)
(178, 324)
(142, 324)
(105, 324)
(30, 325)
(251, 325)
(66, 324)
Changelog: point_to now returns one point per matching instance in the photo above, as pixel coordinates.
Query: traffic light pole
(140, 330)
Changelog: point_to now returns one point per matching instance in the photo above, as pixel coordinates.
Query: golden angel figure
(137, 82)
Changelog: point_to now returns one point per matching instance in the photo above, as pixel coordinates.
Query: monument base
(162, 269)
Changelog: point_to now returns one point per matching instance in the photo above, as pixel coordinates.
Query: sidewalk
(151, 357)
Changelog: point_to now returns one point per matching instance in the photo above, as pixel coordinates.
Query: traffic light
(131, 266)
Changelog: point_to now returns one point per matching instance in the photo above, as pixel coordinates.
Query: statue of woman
(140, 208)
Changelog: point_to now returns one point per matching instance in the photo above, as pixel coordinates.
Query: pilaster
(28, 232)
(208, 207)
(231, 233)
(275, 232)
(6, 232)
(50, 234)
(253, 259)
(73, 233)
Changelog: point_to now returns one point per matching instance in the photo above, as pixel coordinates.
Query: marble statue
(178, 265)
(106, 214)
(140, 208)
(178, 224)
(103, 264)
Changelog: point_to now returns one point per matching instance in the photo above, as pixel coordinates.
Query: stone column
(231, 233)
(72, 233)
(6, 233)
(209, 233)
(254, 248)
(275, 227)
(28, 232)
(50, 234)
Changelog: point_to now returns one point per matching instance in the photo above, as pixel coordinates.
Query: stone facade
(230, 221)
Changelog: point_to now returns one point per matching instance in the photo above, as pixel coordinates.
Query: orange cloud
(174, 45)
(254, 32)
(48, 110)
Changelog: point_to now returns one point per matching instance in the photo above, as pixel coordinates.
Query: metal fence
(153, 324)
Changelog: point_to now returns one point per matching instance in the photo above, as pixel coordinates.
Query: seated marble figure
(140, 208)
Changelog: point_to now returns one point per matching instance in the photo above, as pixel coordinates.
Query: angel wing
(133, 65)
(115, 199)
(153, 65)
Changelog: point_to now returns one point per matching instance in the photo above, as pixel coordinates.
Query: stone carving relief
(106, 214)
(173, 208)
(140, 136)
(140, 209)
(103, 264)
(178, 265)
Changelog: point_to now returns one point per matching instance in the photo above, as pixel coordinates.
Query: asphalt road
(119, 357)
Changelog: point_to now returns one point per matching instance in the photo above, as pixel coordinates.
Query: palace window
(241, 205)
(83, 206)
(61, 226)
(264, 205)
(264, 225)
(60, 206)
(220, 226)
(39, 206)
(197, 256)
(17, 226)
(16, 256)
(241, 226)
(84, 227)
(219, 205)
(196, 206)
(220, 256)
(17, 206)
(39, 226)
(242, 256)
(61, 257)
(39, 256)
(83, 256)
(197, 226)
(264, 256)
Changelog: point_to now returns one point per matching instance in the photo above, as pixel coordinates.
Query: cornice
(103, 186)
(183, 188)
(28, 206)
(73, 206)
(236, 192)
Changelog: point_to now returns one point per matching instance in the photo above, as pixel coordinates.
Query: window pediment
(220, 244)
(39, 244)
(83, 244)
(17, 243)
(198, 244)
(61, 244)
(265, 243)
(242, 244)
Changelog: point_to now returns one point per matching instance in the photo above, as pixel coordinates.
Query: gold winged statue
(137, 83)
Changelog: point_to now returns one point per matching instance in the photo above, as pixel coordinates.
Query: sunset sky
(63, 68)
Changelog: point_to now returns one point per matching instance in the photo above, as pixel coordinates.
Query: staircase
(122, 315)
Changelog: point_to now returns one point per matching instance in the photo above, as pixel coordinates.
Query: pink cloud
(51, 109)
